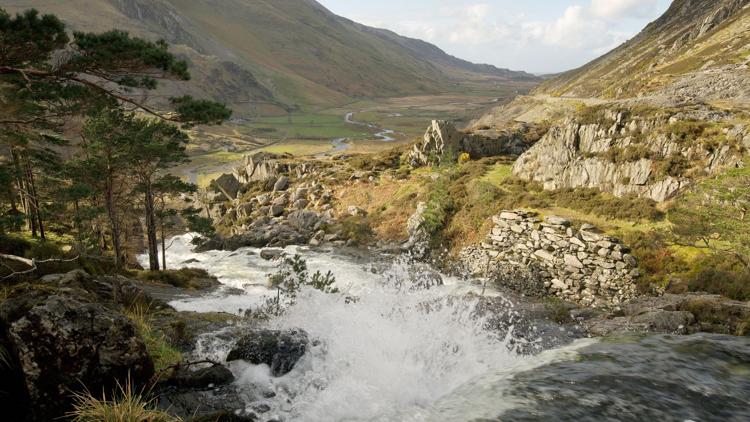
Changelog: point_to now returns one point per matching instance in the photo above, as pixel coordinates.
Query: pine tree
(48, 78)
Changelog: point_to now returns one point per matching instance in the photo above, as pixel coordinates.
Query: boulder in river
(203, 378)
(280, 350)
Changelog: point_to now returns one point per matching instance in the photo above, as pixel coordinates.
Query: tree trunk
(79, 228)
(153, 246)
(114, 223)
(23, 191)
(37, 212)
(163, 249)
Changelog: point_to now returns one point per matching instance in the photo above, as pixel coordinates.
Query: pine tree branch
(27, 73)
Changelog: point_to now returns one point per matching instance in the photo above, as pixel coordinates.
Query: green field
(306, 126)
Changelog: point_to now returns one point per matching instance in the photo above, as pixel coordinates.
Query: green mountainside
(293, 52)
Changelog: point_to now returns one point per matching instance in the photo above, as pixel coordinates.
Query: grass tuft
(125, 405)
(157, 345)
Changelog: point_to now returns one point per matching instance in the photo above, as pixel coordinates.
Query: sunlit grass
(125, 405)
(157, 345)
(300, 147)
(498, 174)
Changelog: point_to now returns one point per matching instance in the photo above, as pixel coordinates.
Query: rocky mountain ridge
(691, 45)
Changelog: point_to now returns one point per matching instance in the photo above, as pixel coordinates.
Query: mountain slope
(698, 48)
(290, 51)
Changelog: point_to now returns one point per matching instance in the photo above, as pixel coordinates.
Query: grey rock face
(259, 167)
(278, 349)
(281, 184)
(65, 341)
(442, 137)
(572, 155)
(304, 220)
(228, 185)
(418, 237)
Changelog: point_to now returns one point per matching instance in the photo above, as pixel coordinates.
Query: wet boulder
(64, 340)
(272, 254)
(203, 378)
(424, 278)
(220, 403)
(280, 350)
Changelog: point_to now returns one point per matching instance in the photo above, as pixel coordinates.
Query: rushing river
(401, 353)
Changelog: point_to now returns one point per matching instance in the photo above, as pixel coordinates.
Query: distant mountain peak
(696, 49)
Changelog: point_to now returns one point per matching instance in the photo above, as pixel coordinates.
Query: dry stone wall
(550, 257)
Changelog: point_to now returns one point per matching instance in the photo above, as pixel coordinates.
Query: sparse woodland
(80, 157)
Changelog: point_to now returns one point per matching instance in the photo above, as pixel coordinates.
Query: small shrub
(629, 154)
(720, 274)
(559, 310)
(655, 259)
(291, 277)
(157, 345)
(125, 405)
(355, 228)
(675, 165)
(45, 250)
(12, 245)
(439, 206)
(184, 278)
(686, 130)
(464, 158)
(590, 115)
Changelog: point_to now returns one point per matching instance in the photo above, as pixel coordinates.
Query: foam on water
(395, 353)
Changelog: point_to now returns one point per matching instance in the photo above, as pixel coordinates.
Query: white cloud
(574, 29)
(505, 34)
(620, 9)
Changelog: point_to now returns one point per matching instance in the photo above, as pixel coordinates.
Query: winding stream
(401, 353)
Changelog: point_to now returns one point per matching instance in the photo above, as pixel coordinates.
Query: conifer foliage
(79, 152)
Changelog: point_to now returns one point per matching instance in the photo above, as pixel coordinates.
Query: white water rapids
(396, 354)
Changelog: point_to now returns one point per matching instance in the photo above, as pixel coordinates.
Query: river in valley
(400, 352)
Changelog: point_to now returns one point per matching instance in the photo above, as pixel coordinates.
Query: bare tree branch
(31, 263)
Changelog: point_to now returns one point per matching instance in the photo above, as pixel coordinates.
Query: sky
(539, 36)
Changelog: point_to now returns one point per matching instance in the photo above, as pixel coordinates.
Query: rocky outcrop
(271, 201)
(227, 185)
(443, 138)
(624, 156)
(670, 314)
(280, 350)
(552, 258)
(418, 237)
(259, 167)
(65, 340)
